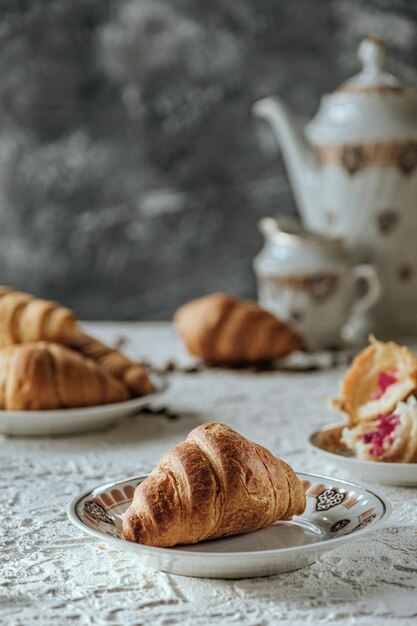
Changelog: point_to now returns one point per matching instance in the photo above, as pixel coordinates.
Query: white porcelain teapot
(353, 170)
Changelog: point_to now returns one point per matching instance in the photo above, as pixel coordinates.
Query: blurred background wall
(131, 174)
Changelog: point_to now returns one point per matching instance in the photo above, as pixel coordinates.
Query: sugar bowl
(312, 282)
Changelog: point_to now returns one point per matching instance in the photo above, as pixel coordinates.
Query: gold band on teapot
(355, 157)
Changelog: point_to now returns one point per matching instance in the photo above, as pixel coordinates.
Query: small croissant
(45, 376)
(215, 483)
(24, 318)
(133, 375)
(222, 329)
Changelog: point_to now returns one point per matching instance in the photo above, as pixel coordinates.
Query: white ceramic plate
(326, 443)
(337, 512)
(66, 421)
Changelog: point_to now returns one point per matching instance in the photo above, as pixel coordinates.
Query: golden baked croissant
(133, 375)
(222, 329)
(24, 318)
(380, 376)
(45, 375)
(390, 438)
(215, 483)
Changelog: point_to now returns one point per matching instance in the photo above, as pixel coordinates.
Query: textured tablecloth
(50, 573)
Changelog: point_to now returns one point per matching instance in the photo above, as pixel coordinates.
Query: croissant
(390, 438)
(380, 376)
(24, 318)
(222, 329)
(215, 483)
(133, 375)
(45, 375)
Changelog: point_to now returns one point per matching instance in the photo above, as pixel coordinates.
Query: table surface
(50, 573)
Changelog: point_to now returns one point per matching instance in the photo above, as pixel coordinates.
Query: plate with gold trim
(337, 512)
(326, 442)
(70, 421)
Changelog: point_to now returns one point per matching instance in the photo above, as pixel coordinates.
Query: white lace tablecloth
(52, 574)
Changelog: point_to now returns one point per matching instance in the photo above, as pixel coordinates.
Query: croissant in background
(132, 374)
(215, 483)
(24, 318)
(222, 329)
(45, 376)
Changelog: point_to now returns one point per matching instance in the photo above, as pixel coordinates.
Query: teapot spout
(300, 160)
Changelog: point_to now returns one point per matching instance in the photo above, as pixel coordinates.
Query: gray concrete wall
(131, 174)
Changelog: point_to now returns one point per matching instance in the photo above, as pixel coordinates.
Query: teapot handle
(366, 273)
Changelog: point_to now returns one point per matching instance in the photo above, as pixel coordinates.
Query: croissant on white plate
(43, 376)
(215, 483)
(133, 374)
(24, 318)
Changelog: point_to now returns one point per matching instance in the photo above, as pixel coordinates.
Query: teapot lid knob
(372, 53)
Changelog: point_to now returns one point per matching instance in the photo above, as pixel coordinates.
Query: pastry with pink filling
(390, 438)
(380, 376)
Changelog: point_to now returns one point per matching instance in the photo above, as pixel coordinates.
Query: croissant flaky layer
(24, 318)
(46, 376)
(380, 376)
(215, 483)
(222, 329)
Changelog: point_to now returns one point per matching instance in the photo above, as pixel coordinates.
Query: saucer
(337, 512)
(69, 421)
(326, 443)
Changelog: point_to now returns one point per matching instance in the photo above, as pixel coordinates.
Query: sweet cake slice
(390, 438)
(380, 376)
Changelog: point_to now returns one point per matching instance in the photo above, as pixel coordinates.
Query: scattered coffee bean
(120, 342)
(157, 411)
(306, 362)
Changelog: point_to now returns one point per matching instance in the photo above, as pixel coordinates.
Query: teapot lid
(372, 77)
(373, 105)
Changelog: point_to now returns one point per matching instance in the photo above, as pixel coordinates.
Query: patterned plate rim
(160, 383)
(351, 459)
(117, 541)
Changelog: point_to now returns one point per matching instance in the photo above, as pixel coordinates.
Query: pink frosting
(378, 439)
(384, 380)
